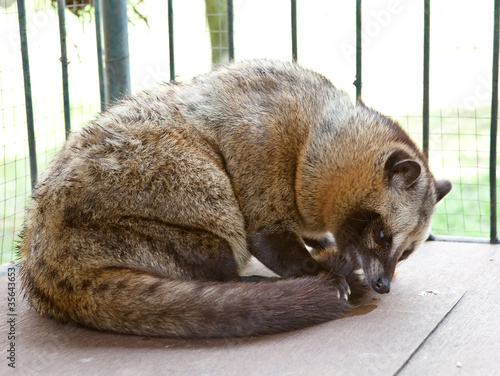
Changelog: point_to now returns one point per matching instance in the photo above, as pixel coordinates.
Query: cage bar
(425, 109)
(171, 55)
(64, 66)
(116, 51)
(426, 88)
(294, 29)
(21, 9)
(494, 130)
(230, 29)
(359, 30)
(100, 64)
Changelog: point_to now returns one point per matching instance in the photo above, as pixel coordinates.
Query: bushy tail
(137, 302)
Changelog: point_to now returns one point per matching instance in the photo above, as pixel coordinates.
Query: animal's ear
(402, 171)
(443, 187)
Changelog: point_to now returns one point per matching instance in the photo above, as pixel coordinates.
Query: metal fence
(14, 185)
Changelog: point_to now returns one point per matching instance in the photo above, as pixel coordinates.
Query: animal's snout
(381, 285)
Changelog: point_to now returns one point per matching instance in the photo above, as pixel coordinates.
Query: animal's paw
(341, 268)
(340, 283)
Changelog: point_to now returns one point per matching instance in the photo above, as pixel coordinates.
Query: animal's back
(262, 114)
(144, 211)
(145, 219)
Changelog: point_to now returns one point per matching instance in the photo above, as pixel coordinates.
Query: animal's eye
(382, 238)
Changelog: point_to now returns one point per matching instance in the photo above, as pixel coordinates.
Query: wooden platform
(441, 318)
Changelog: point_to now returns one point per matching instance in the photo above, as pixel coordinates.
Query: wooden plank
(468, 340)
(378, 339)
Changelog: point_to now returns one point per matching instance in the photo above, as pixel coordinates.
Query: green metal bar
(359, 25)
(458, 239)
(494, 129)
(294, 29)
(425, 112)
(21, 11)
(100, 64)
(230, 29)
(64, 66)
(116, 51)
(171, 39)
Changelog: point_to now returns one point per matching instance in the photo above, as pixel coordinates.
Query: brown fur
(145, 219)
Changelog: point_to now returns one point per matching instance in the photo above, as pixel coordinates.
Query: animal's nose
(381, 285)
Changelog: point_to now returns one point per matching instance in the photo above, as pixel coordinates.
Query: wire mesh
(460, 96)
(461, 114)
(46, 85)
(15, 183)
(323, 33)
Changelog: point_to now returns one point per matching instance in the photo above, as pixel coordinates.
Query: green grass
(459, 152)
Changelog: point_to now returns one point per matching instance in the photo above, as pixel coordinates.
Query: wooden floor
(441, 318)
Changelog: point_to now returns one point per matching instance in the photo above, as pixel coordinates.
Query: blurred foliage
(82, 8)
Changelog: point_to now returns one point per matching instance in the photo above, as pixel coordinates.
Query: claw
(348, 291)
(338, 294)
(346, 297)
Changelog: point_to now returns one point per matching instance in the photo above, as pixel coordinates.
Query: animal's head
(393, 219)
